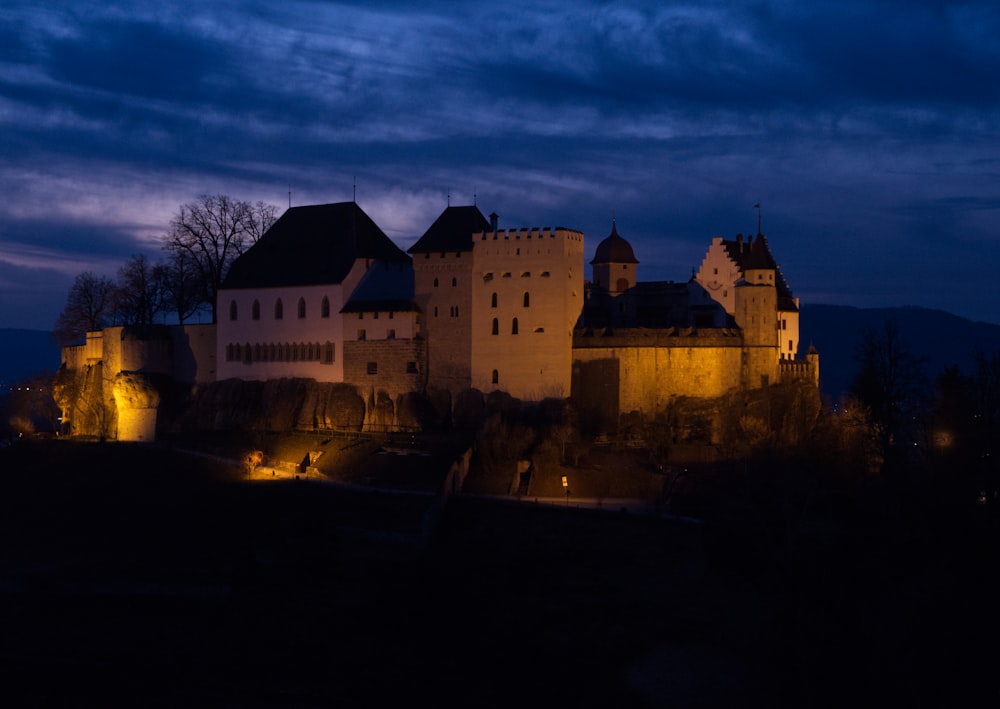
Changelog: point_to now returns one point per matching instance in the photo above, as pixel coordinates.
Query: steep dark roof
(386, 286)
(614, 249)
(312, 245)
(452, 231)
(754, 253)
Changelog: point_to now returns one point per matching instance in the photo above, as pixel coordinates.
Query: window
(789, 345)
(247, 359)
(362, 335)
(496, 377)
(375, 315)
(390, 334)
(232, 310)
(302, 308)
(411, 368)
(622, 284)
(513, 327)
(436, 280)
(526, 274)
(545, 274)
(324, 308)
(493, 301)
(373, 367)
(390, 315)
(435, 311)
(279, 309)
(527, 300)
(454, 282)
(328, 353)
(784, 324)
(496, 326)
(255, 310)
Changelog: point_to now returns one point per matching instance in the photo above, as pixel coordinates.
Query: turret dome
(614, 249)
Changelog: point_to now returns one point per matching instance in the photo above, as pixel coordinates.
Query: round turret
(614, 249)
(614, 264)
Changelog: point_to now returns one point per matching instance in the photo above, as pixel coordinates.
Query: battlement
(529, 233)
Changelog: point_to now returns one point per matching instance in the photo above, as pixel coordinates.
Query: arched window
(527, 300)
(302, 308)
(435, 311)
(247, 354)
(496, 326)
(255, 310)
(232, 310)
(324, 308)
(454, 282)
(435, 283)
(513, 327)
(496, 377)
(622, 284)
(279, 309)
(493, 301)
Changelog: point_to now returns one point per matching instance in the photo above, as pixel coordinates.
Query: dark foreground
(141, 577)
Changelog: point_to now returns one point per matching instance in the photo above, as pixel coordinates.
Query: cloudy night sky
(869, 132)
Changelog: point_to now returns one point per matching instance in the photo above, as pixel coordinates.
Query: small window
(375, 315)
(255, 310)
(411, 368)
(390, 334)
(302, 308)
(526, 274)
(527, 300)
(487, 276)
(390, 315)
(324, 308)
(496, 377)
(232, 310)
(454, 282)
(545, 274)
(506, 274)
(513, 326)
(362, 335)
(279, 309)
(496, 326)
(373, 367)
(493, 301)
(436, 280)
(435, 311)
(328, 353)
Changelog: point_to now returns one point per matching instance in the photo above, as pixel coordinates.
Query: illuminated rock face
(137, 400)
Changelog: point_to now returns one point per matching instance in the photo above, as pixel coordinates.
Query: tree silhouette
(210, 233)
(89, 307)
(890, 384)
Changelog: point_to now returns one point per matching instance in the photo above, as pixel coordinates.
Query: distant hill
(26, 352)
(943, 339)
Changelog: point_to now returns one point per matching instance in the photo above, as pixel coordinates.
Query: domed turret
(614, 263)
(614, 249)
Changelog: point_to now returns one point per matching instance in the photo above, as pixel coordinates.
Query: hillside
(943, 339)
(26, 352)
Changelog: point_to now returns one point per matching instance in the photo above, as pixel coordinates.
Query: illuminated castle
(326, 296)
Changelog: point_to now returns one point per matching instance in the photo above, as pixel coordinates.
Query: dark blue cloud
(866, 128)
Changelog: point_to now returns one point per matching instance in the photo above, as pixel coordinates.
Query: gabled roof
(384, 287)
(754, 253)
(452, 231)
(312, 245)
(614, 249)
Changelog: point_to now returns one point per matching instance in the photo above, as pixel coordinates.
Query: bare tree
(183, 286)
(88, 307)
(139, 292)
(212, 232)
(890, 384)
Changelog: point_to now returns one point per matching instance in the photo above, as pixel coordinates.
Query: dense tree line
(204, 238)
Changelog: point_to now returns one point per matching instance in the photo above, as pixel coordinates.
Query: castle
(326, 296)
